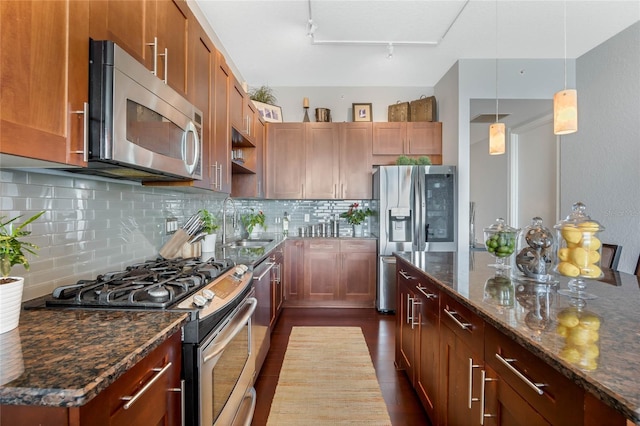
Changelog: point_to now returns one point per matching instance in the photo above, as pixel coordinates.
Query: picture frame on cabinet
(362, 112)
(269, 113)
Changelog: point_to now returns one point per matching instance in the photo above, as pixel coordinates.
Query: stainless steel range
(218, 364)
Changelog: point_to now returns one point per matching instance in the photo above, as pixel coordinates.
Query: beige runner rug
(327, 378)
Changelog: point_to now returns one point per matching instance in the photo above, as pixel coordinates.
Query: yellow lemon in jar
(568, 318)
(561, 330)
(564, 253)
(591, 271)
(570, 354)
(590, 351)
(591, 243)
(580, 336)
(580, 257)
(589, 226)
(594, 256)
(588, 364)
(568, 269)
(572, 235)
(590, 322)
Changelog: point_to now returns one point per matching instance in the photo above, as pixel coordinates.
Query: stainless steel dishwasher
(261, 327)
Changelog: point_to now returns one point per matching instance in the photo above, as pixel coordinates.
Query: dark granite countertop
(66, 357)
(614, 379)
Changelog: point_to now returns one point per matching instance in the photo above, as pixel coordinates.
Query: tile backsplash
(94, 225)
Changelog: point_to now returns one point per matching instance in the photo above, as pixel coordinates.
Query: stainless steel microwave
(139, 128)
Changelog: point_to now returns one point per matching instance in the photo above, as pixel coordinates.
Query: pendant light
(497, 130)
(565, 102)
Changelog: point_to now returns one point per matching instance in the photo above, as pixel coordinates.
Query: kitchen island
(611, 380)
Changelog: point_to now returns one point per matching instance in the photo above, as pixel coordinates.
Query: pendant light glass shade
(497, 139)
(565, 112)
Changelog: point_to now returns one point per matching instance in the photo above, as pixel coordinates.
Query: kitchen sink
(249, 242)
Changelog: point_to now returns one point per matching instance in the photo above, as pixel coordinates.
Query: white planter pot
(12, 364)
(209, 243)
(357, 230)
(10, 304)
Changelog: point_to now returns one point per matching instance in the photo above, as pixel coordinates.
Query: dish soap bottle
(285, 224)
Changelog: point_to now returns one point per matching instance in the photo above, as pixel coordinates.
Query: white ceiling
(266, 39)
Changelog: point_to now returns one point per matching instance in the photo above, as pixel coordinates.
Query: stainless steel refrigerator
(417, 208)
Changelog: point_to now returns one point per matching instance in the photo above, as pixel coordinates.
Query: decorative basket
(399, 112)
(423, 109)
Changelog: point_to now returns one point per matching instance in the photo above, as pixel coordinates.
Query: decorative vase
(10, 304)
(209, 243)
(357, 230)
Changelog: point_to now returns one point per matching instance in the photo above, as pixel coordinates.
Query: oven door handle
(234, 327)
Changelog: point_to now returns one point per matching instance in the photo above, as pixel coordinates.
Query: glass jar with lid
(500, 241)
(536, 253)
(579, 251)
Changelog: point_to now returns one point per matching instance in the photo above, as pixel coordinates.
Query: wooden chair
(610, 256)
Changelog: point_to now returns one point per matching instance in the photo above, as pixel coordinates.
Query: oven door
(227, 366)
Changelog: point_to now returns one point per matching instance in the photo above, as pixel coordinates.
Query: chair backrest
(638, 267)
(610, 256)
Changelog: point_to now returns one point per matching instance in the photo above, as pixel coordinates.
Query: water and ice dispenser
(400, 224)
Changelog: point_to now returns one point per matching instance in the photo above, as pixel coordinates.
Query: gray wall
(601, 162)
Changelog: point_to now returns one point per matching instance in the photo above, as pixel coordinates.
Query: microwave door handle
(191, 128)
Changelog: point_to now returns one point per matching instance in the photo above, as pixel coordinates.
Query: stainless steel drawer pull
(85, 132)
(405, 275)
(471, 367)
(482, 391)
(462, 325)
(535, 386)
(427, 294)
(132, 399)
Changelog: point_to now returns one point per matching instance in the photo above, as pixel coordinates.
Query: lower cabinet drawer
(555, 397)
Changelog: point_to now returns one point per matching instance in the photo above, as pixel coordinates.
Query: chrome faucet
(224, 218)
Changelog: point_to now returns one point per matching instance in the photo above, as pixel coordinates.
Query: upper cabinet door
(155, 32)
(221, 156)
(285, 174)
(355, 160)
(322, 161)
(172, 31)
(44, 72)
(424, 138)
(388, 138)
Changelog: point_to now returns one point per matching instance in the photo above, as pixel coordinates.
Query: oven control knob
(199, 300)
(208, 294)
(239, 271)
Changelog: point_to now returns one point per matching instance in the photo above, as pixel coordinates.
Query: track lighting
(390, 51)
(311, 28)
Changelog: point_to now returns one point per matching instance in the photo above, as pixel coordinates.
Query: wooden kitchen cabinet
(241, 110)
(461, 363)
(155, 32)
(221, 151)
(44, 71)
(417, 325)
(526, 386)
(285, 166)
(251, 185)
(330, 160)
(155, 380)
(413, 139)
(293, 270)
(334, 273)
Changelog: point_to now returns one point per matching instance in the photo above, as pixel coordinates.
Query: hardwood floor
(379, 332)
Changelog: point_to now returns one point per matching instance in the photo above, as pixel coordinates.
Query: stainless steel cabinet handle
(507, 363)
(132, 399)
(484, 379)
(408, 309)
(266, 271)
(414, 302)
(155, 55)
(471, 367)
(85, 132)
(426, 294)
(166, 63)
(405, 275)
(220, 181)
(462, 325)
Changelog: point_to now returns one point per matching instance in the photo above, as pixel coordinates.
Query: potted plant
(263, 94)
(252, 220)
(12, 250)
(209, 226)
(355, 216)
